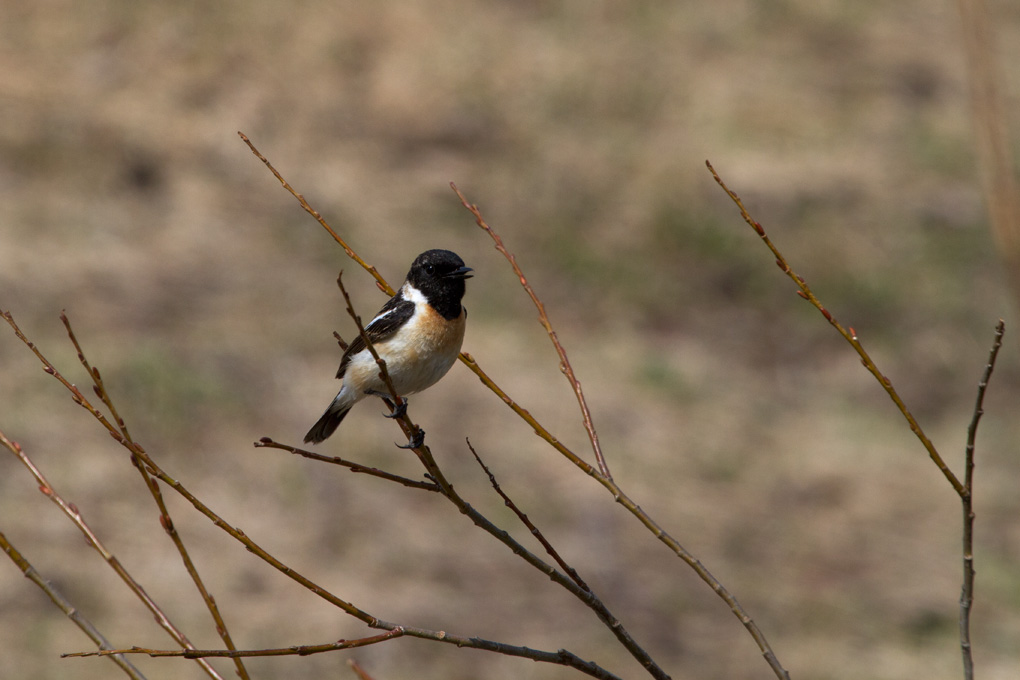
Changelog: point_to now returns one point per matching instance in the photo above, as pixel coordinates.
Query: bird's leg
(396, 410)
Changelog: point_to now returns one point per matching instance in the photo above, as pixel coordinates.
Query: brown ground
(727, 408)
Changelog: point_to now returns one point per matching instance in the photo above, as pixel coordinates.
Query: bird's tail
(327, 424)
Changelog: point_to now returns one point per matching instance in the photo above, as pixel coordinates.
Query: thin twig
(528, 523)
(93, 372)
(164, 515)
(967, 591)
(72, 512)
(526, 416)
(848, 334)
(268, 443)
(358, 670)
(717, 587)
(385, 287)
(296, 650)
(61, 601)
(543, 318)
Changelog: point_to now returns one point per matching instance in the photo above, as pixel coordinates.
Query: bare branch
(340, 341)
(967, 591)
(72, 512)
(528, 523)
(268, 443)
(543, 318)
(361, 673)
(385, 287)
(296, 650)
(62, 602)
(848, 334)
(164, 515)
(526, 416)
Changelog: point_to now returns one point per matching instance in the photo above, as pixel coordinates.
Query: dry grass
(727, 409)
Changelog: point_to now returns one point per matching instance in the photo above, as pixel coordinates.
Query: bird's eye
(430, 269)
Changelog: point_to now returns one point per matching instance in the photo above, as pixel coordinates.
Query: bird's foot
(398, 410)
(416, 440)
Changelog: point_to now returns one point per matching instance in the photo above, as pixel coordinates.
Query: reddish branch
(543, 318)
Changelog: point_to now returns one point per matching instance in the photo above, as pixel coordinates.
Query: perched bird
(418, 333)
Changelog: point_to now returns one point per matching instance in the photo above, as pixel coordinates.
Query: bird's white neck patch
(412, 294)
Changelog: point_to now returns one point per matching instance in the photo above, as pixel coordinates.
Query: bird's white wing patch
(380, 316)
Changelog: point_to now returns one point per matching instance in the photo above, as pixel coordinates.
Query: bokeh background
(726, 406)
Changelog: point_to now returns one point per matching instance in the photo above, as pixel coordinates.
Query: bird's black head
(440, 275)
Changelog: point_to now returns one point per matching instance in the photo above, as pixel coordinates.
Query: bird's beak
(460, 273)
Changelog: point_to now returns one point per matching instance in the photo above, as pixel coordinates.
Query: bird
(418, 333)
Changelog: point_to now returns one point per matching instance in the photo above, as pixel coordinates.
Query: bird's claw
(398, 410)
(416, 440)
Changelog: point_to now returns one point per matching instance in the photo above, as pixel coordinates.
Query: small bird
(418, 333)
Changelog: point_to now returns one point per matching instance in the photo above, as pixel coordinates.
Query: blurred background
(727, 407)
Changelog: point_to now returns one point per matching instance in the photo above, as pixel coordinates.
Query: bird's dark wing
(392, 316)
